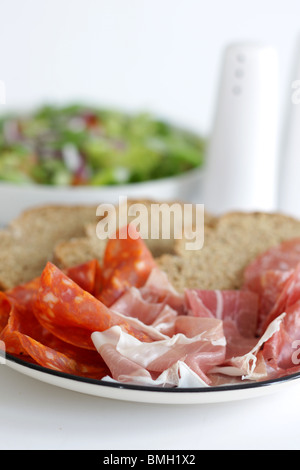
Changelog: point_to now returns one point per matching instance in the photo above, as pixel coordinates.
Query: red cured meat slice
(127, 262)
(281, 351)
(268, 273)
(11, 341)
(237, 310)
(121, 367)
(213, 332)
(236, 344)
(191, 326)
(21, 320)
(53, 359)
(199, 355)
(132, 304)
(237, 306)
(158, 289)
(24, 336)
(282, 257)
(204, 359)
(72, 314)
(24, 297)
(272, 284)
(87, 275)
(195, 305)
(200, 352)
(24, 294)
(5, 308)
(289, 295)
(205, 348)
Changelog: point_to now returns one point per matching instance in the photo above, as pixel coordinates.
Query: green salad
(82, 145)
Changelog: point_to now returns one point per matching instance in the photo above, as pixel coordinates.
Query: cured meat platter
(122, 331)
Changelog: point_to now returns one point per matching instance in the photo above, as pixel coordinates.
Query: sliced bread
(28, 242)
(229, 246)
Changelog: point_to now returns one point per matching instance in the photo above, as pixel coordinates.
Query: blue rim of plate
(144, 388)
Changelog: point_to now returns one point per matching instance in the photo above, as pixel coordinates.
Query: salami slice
(87, 275)
(5, 308)
(24, 294)
(53, 359)
(72, 314)
(127, 263)
(25, 337)
(11, 341)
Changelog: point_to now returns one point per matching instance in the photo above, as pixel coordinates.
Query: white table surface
(35, 415)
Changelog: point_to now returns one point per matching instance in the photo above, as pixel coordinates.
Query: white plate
(154, 395)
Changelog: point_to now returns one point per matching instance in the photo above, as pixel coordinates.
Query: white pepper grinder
(242, 157)
(289, 177)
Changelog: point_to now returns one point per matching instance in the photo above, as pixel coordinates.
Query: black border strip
(143, 388)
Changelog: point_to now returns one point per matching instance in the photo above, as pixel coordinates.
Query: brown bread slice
(229, 246)
(28, 242)
(77, 251)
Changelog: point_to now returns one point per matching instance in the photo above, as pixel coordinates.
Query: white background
(164, 56)
(160, 55)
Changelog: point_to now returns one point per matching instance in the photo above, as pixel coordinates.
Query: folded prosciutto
(160, 362)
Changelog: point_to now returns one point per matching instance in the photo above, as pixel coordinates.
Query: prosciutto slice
(267, 275)
(160, 359)
(158, 289)
(282, 257)
(288, 295)
(237, 310)
(281, 352)
(252, 365)
(132, 304)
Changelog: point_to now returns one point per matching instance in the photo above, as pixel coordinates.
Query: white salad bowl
(15, 198)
